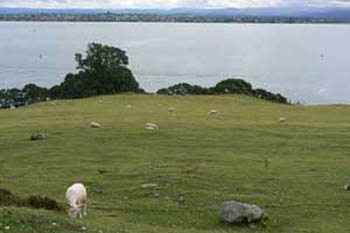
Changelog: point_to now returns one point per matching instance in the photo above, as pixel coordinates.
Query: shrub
(38, 202)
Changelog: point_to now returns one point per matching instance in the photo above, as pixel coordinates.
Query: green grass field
(294, 171)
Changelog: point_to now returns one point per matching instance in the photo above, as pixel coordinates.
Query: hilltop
(293, 170)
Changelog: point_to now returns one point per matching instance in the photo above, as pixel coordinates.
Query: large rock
(235, 212)
(37, 136)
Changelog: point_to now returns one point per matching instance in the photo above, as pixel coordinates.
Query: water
(308, 63)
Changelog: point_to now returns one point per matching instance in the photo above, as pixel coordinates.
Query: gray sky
(169, 3)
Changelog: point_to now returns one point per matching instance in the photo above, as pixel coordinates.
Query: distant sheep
(282, 120)
(152, 126)
(128, 106)
(213, 113)
(171, 109)
(76, 197)
(95, 125)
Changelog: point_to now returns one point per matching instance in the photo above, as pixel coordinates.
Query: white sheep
(95, 125)
(76, 197)
(171, 109)
(282, 120)
(152, 126)
(213, 113)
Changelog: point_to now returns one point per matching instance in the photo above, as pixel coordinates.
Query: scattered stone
(101, 171)
(54, 224)
(156, 194)
(181, 199)
(7, 228)
(149, 185)
(266, 163)
(233, 212)
(37, 136)
(95, 125)
(347, 187)
(83, 228)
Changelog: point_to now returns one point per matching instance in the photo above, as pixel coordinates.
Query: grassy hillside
(294, 171)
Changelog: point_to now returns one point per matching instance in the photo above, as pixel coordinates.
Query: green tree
(103, 70)
(101, 58)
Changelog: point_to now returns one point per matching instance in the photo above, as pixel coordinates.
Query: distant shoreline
(151, 18)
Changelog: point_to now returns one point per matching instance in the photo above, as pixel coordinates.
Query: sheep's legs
(85, 206)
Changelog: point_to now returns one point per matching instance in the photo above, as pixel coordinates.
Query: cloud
(168, 3)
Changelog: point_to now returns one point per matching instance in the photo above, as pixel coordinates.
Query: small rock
(181, 199)
(149, 185)
(37, 136)
(171, 109)
(235, 212)
(7, 228)
(83, 228)
(156, 195)
(54, 224)
(95, 125)
(101, 171)
(347, 187)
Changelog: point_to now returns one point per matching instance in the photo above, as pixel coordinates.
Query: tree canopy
(102, 71)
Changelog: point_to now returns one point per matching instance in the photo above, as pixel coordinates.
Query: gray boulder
(37, 136)
(234, 212)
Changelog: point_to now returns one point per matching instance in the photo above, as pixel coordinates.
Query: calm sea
(307, 63)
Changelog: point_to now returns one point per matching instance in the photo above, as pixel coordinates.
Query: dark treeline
(228, 86)
(103, 71)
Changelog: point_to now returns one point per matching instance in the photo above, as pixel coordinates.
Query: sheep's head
(73, 212)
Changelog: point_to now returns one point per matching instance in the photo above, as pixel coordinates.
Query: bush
(233, 86)
(8, 199)
(228, 86)
(38, 202)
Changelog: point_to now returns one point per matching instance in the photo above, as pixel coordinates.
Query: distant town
(225, 15)
(110, 17)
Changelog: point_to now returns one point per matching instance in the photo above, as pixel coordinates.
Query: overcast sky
(169, 3)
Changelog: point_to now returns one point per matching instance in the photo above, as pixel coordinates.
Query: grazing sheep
(171, 109)
(213, 113)
(152, 126)
(95, 125)
(76, 197)
(128, 106)
(282, 120)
